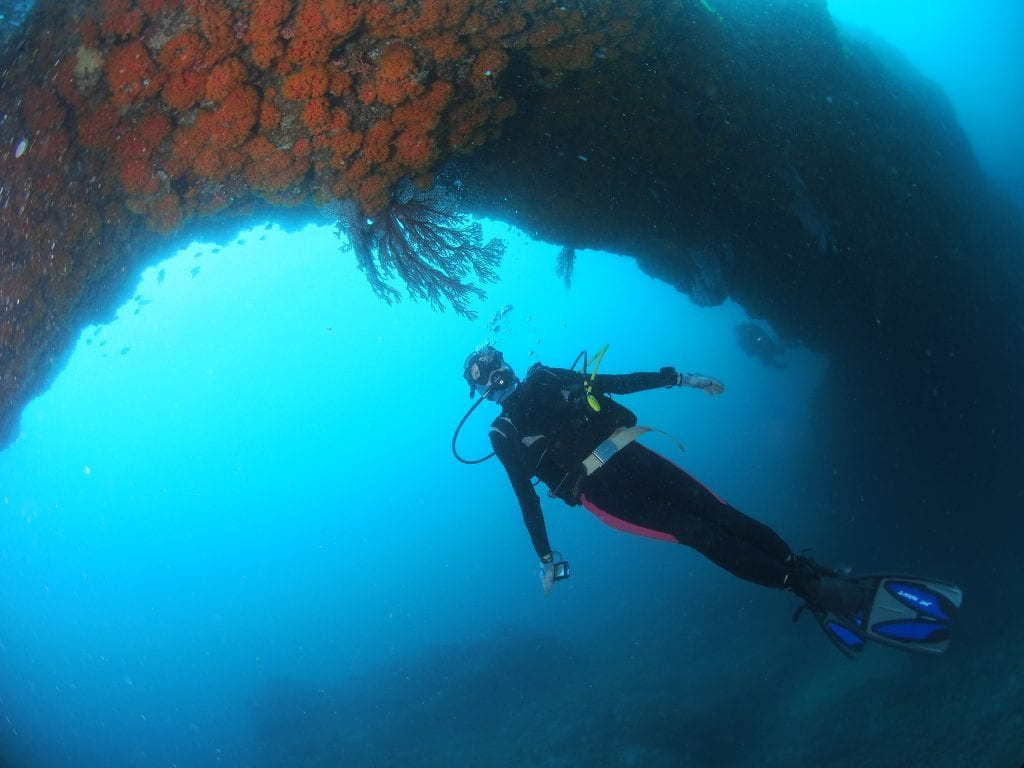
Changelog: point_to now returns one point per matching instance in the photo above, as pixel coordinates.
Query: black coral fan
(423, 240)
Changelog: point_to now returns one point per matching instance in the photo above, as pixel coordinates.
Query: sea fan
(564, 264)
(423, 240)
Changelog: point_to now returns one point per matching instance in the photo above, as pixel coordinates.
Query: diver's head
(488, 374)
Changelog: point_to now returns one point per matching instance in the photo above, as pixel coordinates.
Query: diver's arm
(624, 384)
(529, 501)
(627, 383)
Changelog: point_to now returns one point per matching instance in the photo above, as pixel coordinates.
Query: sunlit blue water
(232, 532)
(246, 477)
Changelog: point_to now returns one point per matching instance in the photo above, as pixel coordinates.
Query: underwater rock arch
(740, 149)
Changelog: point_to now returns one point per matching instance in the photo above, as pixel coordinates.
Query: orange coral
(225, 78)
(309, 82)
(89, 31)
(415, 150)
(212, 103)
(137, 177)
(230, 123)
(131, 74)
(265, 20)
(133, 151)
(377, 141)
(183, 89)
(343, 144)
(120, 19)
(153, 129)
(416, 114)
(270, 115)
(153, 7)
(396, 91)
(165, 214)
(395, 78)
(185, 144)
(439, 96)
(328, 19)
(265, 54)
(96, 130)
(274, 169)
(397, 62)
(341, 82)
(384, 20)
(444, 48)
(218, 27)
(214, 163)
(131, 146)
(183, 51)
(304, 50)
(316, 114)
(373, 195)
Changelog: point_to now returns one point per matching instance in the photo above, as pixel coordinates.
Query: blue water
(246, 478)
(232, 532)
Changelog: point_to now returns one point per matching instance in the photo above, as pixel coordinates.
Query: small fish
(125, 350)
(161, 275)
(20, 149)
(195, 271)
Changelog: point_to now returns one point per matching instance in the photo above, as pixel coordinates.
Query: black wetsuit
(546, 429)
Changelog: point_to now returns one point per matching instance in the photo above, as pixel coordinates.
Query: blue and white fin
(907, 612)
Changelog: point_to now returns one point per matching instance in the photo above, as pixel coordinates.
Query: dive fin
(907, 612)
(912, 613)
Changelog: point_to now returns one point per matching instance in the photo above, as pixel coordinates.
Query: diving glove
(547, 576)
(697, 381)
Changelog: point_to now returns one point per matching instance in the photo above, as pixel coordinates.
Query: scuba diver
(562, 427)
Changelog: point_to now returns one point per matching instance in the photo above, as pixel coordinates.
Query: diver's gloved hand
(697, 381)
(547, 573)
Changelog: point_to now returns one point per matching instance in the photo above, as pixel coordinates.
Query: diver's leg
(642, 492)
(801, 575)
(822, 587)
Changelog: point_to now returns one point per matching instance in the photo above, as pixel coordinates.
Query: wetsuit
(545, 430)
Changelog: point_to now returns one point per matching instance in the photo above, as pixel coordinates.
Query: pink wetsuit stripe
(621, 525)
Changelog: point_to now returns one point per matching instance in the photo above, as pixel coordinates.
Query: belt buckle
(605, 450)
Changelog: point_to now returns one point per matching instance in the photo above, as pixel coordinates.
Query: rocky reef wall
(124, 120)
(735, 149)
